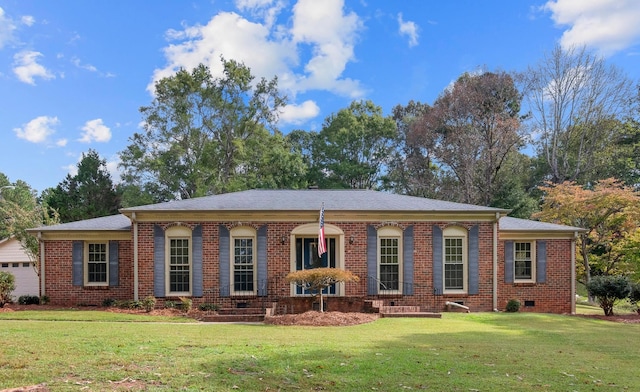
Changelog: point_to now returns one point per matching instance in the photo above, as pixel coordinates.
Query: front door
(307, 258)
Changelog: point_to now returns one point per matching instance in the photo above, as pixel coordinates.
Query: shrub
(634, 295)
(186, 304)
(108, 302)
(149, 303)
(29, 300)
(208, 307)
(128, 304)
(513, 306)
(44, 300)
(608, 289)
(7, 285)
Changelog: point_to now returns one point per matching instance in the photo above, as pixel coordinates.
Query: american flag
(322, 247)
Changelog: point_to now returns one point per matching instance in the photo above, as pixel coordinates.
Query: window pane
(522, 260)
(389, 264)
(243, 264)
(179, 268)
(453, 264)
(97, 263)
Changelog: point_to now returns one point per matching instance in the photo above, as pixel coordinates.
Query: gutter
(573, 273)
(495, 262)
(135, 256)
(41, 269)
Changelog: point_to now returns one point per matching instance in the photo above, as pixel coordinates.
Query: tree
(353, 147)
(201, 134)
(7, 285)
(609, 289)
(609, 213)
(317, 279)
(21, 210)
(412, 168)
(471, 130)
(575, 99)
(88, 194)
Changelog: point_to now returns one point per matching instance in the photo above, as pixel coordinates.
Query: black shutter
(541, 262)
(158, 262)
(372, 261)
(262, 261)
(436, 243)
(407, 259)
(474, 255)
(196, 239)
(225, 260)
(113, 263)
(77, 261)
(508, 262)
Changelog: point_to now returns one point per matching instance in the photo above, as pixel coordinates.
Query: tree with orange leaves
(610, 213)
(317, 279)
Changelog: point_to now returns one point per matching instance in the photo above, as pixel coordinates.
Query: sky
(74, 73)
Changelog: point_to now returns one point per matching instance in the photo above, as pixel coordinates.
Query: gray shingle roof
(514, 224)
(106, 223)
(311, 200)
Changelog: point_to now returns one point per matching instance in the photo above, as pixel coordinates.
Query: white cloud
(88, 67)
(28, 20)
(37, 130)
(310, 53)
(62, 142)
(7, 26)
(410, 29)
(297, 114)
(95, 130)
(606, 25)
(27, 68)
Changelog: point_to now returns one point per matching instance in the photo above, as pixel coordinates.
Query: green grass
(460, 352)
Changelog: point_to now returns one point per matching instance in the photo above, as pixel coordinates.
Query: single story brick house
(235, 250)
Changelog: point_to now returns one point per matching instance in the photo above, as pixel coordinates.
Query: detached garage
(14, 260)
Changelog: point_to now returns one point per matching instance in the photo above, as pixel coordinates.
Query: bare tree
(573, 95)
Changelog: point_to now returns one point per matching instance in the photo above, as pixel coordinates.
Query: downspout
(135, 256)
(495, 262)
(41, 269)
(573, 273)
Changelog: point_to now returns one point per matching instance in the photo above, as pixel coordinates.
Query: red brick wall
(59, 280)
(552, 296)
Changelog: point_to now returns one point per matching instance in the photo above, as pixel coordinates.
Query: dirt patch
(314, 318)
(630, 318)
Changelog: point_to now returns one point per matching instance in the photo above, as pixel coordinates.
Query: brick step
(412, 314)
(399, 309)
(240, 311)
(233, 318)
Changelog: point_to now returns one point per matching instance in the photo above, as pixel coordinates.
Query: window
(97, 263)
(523, 261)
(455, 260)
(178, 279)
(243, 269)
(389, 260)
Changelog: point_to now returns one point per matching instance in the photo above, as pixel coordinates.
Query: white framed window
(96, 260)
(390, 260)
(524, 261)
(178, 261)
(455, 260)
(243, 261)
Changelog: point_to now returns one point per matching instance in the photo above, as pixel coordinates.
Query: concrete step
(412, 314)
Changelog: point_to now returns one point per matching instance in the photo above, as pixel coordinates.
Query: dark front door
(307, 258)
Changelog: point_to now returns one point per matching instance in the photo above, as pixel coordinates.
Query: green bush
(108, 302)
(186, 304)
(208, 307)
(7, 285)
(513, 306)
(149, 303)
(44, 300)
(634, 295)
(29, 300)
(608, 289)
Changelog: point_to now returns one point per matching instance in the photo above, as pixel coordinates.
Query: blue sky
(73, 73)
